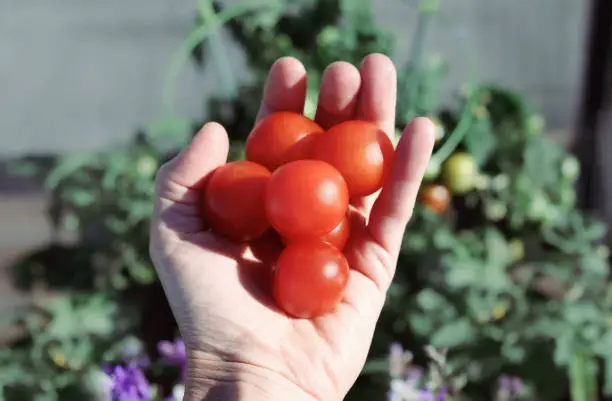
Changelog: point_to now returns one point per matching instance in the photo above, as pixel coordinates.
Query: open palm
(238, 341)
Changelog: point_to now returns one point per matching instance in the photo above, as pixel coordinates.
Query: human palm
(239, 343)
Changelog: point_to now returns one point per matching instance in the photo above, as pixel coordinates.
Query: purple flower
(128, 383)
(174, 353)
(428, 395)
(397, 364)
(133, 353)
(509, 388)
(518, 387)
(414, 375)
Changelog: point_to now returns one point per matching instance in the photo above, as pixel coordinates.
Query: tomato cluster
(296, 185)
(458, 177)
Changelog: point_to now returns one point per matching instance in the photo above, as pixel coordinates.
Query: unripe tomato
(436, 198)
(280, 138)
(310, 279)
(306, 199)
(517, 249)
(233, 201)
(459, 173)
(362, 152)
(336, 237)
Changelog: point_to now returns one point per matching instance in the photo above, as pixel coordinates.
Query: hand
(240, 346)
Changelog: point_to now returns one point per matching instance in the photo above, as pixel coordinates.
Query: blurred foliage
(512, 278)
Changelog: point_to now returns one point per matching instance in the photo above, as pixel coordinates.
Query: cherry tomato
(459, 173)
(267, 248)
(361, 151)
(310, 279)
(233, 201)
(280, 138)
(336, 237)
(306, 198)
(436, 198)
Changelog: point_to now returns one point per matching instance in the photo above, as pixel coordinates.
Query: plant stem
(581, 377)
(219, 55)
(416, 54)
(460, 130)
(196, 36)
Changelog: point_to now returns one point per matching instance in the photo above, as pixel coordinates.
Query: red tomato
(268, 247)
(436, 198)
(361, 151)
(233, 201)
(306, 198)
(280, 138)
(310, 279)
(336, 237)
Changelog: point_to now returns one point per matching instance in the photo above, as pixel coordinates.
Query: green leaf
(580, 313)
(542, 161)
(430, 300)
(603, 347)
(421, 324)
(564, 348)
(454, 334)
(607, 385)
(480, 141)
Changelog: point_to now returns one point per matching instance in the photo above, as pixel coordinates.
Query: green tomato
(535, 126)
(459, 173)
(517, 249)
(146, 166)
(570, 168)
(496, 210)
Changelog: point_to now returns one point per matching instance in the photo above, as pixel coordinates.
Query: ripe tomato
(361, 151)
(233, 201)
(280, 138)
(436, 198)
(336, 237)
(310, 279)
(267, 247)
(306, 198)
(459, 173)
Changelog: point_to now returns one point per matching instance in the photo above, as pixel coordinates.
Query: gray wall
(81, 74)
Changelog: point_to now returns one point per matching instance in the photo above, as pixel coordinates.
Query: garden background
(81, 77)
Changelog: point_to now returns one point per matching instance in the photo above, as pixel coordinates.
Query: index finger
(285, 88)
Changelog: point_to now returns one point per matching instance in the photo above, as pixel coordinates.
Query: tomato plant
(280, 138)
(459, 173)
(306, 198)
(436, 198)
(336, 237)
(233, 201)
(362, 152)
(310, 279)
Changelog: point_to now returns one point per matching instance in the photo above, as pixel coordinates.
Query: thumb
(178, 179)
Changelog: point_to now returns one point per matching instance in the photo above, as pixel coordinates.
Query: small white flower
(401, 390)
(178, 392)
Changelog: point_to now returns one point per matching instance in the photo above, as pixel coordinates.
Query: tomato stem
(197, 35)
(463, 126)
(219, 56)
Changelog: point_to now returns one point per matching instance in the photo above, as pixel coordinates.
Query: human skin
(240, 346)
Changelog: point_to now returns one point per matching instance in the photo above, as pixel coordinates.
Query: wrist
(214, 379)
